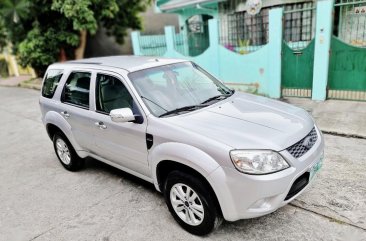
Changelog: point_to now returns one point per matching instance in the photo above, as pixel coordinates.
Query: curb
(30, 86)
(346, 135)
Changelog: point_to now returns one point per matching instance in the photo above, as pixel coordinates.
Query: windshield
(167, 88)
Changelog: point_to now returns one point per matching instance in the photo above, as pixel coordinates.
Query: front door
(121, 143)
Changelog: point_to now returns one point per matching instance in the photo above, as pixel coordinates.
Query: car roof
(129, 63)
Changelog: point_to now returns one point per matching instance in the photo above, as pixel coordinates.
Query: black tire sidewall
(210, 209)
(76, 162)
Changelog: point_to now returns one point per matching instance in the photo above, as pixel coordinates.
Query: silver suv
(214, 153)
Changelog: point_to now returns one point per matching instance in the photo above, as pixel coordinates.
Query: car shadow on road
(92, 164)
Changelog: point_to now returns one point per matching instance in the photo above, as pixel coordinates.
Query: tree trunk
(79, 52)
(62, 57)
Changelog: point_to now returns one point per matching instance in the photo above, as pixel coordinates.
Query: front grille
(301, 147)
(298, 185)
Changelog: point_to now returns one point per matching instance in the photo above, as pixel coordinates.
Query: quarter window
(77, 88)
(111, 94)
(51, 81)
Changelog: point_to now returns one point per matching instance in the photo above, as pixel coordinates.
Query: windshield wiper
(218, 97)
(143, 97)
(181, 109)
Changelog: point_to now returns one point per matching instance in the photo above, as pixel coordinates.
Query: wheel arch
(171, 156)
(167, 166)
(184, 154)
(54, 122)
(52, 129)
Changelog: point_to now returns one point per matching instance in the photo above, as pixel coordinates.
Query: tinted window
(111, 94)
(51, 81)
(76, 90)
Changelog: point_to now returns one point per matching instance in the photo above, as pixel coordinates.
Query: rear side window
(51, 81)
(76, 90)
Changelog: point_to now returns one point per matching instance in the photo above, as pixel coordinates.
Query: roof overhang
(179, 4)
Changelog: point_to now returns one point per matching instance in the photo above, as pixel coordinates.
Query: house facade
(313, 49)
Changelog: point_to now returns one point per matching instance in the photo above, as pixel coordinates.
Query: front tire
(66, 153)
(191, 203)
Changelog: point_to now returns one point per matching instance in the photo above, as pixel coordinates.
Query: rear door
(74, 107)
(122, 143)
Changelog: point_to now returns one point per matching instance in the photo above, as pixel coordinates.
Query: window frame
(124, 83)
(63, 73)
(62, 97)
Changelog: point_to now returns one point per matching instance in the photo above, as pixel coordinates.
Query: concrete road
(39, 200)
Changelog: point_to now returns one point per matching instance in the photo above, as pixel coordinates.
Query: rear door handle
(65, 114)
(101, 125)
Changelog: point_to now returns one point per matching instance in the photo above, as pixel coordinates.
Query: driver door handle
(101, 125)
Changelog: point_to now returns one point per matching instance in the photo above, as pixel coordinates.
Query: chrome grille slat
(304, 145)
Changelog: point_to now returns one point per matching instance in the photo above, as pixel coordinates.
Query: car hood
(245, 121)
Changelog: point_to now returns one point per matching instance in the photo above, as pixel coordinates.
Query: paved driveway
(39, 200)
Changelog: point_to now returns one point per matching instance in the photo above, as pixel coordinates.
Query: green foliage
(114, 15)
(42, 47)
(243, 44)
(14, 10)
(126, 17)
(3, 68)
(3, 34)
(41, 29)
(16, 14)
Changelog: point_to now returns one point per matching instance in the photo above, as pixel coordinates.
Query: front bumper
(244, 196)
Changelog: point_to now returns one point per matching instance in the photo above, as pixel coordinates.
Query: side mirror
(122, 115)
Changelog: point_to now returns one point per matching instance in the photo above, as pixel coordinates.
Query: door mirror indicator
(122, 115)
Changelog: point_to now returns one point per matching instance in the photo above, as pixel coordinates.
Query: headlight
(258, 161)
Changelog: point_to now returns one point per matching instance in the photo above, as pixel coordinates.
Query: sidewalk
(336, 116)
(14, 81)
(25, 81)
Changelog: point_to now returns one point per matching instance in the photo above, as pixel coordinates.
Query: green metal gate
(297, 71)
(298, 50)
(347, 67)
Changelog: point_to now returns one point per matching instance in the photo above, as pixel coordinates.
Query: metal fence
(299, 24)
(180, 44)
(347, 95)
(153, 45)
(350, 21)
(241, 32)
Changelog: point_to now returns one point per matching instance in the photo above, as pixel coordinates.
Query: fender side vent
(149, 140)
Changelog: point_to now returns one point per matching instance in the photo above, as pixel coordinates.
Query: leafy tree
(51, 30)
(3, 34)
(15, 14)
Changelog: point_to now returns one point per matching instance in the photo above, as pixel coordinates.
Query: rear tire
(191, 203)
(66, 154)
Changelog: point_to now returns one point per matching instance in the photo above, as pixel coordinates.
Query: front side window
(77, 88)
(111, 94)
(167, 88)
(51, 81)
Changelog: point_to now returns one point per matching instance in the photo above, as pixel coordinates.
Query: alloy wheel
(187, 204)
